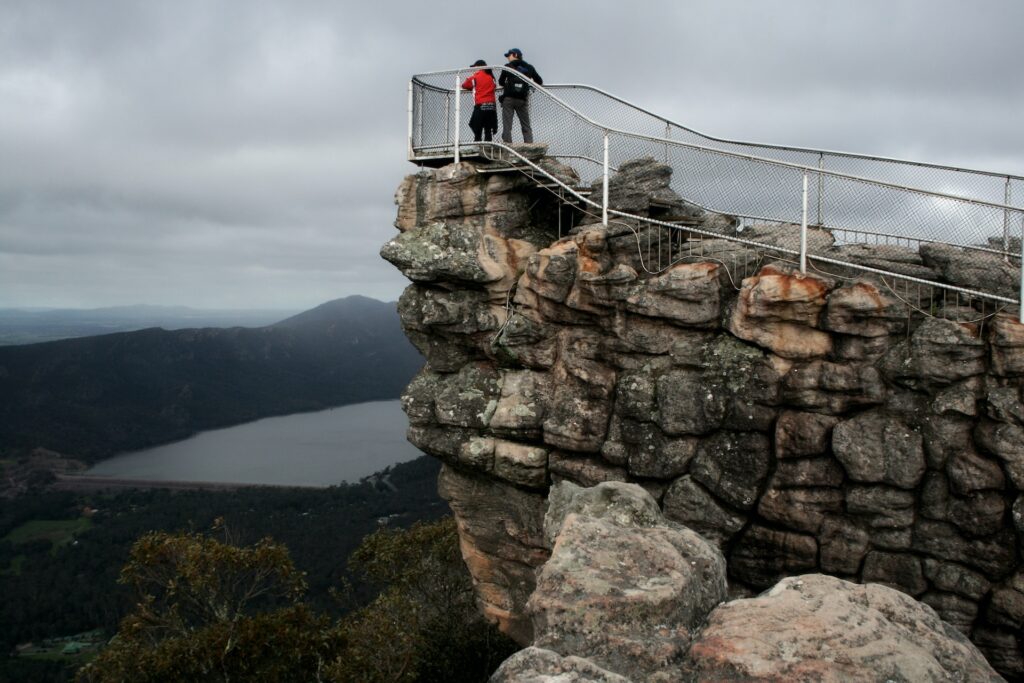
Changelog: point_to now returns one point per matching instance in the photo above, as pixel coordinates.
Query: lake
(307, 449)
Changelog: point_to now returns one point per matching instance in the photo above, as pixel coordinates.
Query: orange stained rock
(869, 292)
(1007, 330)
(589, 265)
(774, 285)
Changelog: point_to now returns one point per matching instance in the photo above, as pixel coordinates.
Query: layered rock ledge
(802, 423)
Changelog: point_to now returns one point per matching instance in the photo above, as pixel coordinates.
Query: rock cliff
(801, 423)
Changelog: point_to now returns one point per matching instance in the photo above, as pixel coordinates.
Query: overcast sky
(245, 153)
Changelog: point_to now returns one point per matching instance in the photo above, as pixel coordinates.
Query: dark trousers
(521, 108)
(483, 122)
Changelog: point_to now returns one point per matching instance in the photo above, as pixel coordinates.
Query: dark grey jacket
(513, 85)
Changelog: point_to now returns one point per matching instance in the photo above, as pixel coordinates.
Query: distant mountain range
(92, 397)
(29, 326)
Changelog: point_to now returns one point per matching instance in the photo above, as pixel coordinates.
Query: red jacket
(484, 87)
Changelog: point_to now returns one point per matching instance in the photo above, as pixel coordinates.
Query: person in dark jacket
(515, 94)
(484, 121)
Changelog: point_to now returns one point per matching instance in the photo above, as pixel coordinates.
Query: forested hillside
(59, 568)
(93, 397)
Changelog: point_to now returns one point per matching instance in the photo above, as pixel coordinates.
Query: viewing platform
(955, 231)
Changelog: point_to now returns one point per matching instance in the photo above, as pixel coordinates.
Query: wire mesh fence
(914, 222)
(622, 115)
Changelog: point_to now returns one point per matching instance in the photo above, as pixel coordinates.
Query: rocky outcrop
(820, 628)
(536, 665)
(624, 587)
(801, 423)
(629, 595)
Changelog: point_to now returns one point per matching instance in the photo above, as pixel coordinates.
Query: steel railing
(890, 209)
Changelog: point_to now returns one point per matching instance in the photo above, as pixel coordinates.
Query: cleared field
(57, 531)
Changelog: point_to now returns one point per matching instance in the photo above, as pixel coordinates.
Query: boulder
(457, 253)
(976, 514)
(803, 509)
(945, 438)
(832, 387)
(955, 578)
(896, 570)
(878, 447)
(685, 294)
(641, 187)
(624, 588)
(1004, 404)
(972, 269)
(862, 309)
(733, 466)
(843, 545)
(1006, 608)
(881, 507)
(958, 612)
(690, 504)
(574, 420)
(537, 665)
(800, 434)
(1006, 335)
(807, 472)
(583, 470)
(959, 399)
(734, 388)
(820, 628)
(519, 410)
(762, 555)
(779, 310)
(1005, 442)
(469, 397)
(994, 556)
(938, 353)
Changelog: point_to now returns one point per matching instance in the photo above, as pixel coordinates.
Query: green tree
(212, 611)
(208, 610)
(424, 625)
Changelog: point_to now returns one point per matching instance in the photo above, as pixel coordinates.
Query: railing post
(604, 199)
(410, 121)
(1006, 222)
(668, 136)
(1020, 303)
(418, 105)
(821, 184)
(458, 111)
(447, 115)
(803, 231)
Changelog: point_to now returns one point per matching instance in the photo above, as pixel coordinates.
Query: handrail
(739, 155)
(747, 185)
(788, 148)
(742, 143)
(523, 161)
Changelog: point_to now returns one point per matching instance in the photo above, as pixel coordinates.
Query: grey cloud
(245, 153)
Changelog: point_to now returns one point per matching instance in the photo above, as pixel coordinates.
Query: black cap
(514, 51)
(479, 62)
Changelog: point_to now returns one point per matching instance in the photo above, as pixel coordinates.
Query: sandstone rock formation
(804, 423)
(629, 595)
(624, 587)
(820, 628)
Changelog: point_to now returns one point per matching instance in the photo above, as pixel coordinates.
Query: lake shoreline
(89, 483)
(314, 449)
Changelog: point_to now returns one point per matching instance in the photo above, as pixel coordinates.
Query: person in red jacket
(484, 121)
